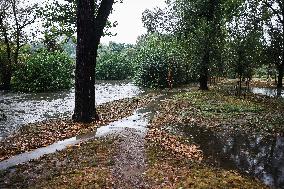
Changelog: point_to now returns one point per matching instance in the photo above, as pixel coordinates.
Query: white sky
(128, 15)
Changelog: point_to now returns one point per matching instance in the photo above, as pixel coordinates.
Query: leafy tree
(60, 22)
(274, 15)
(199, 26)
(89, 31)
(161, 62)
(246, 39)
(14, 18)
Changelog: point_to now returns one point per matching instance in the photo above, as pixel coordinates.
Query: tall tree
(201, 22)
(199, 26)
(15, 17)
(89, 31)
(276, 25)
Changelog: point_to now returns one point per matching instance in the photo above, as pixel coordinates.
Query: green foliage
(44, 71)
(157, 57)
(60, 18)
(114, 62)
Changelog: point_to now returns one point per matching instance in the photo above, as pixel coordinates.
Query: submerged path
(125, 162)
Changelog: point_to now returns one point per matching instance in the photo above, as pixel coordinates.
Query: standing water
(255, 155)
(22, 108)
(268, 91)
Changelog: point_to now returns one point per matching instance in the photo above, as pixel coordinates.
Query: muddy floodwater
(20, 108)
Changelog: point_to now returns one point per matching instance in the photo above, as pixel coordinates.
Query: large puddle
(268, 91)
(253, 155)
(20, 108)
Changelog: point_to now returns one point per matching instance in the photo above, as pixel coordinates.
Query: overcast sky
(128, 15)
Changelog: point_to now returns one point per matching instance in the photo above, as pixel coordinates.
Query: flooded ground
(20, 108)
(253, 155)
(268, 91)
(136, 123)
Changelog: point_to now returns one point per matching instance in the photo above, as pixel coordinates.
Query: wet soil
(168, 161)
(130, 161)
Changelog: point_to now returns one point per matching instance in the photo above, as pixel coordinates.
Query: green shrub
(113, 65)
(158, 55)
(44, 71)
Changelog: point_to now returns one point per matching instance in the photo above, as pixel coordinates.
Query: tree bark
(7, 66)
(281, 66)
(210, 36)
(204, 71)
(89, 32)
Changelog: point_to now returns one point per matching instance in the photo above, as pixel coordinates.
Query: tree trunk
(210, 37)
(89, 32)
(280, 75)
(281, 66)
(203, 80)
(6, 78)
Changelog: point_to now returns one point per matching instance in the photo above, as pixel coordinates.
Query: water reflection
(20, 108)
(258, 156)
(268, 91)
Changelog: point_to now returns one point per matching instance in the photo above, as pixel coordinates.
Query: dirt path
(130, 160)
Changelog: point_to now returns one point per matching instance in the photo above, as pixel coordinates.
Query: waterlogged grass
(168, 171)
(214, 104)
(258, 114)
(87, 165)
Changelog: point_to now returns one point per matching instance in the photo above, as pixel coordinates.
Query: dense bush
(114, 65)
(44, 71)
(159, 56)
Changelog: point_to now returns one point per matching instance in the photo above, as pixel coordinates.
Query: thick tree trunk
(204, 71)
(210, 35)
(84, 85)
(89, 32)
(6, 78)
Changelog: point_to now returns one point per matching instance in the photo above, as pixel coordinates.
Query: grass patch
(214, 104)
(254, 114)
(82, 166)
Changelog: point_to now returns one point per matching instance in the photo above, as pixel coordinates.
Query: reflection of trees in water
(2, 115)
(258, 156)
(279, 92)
